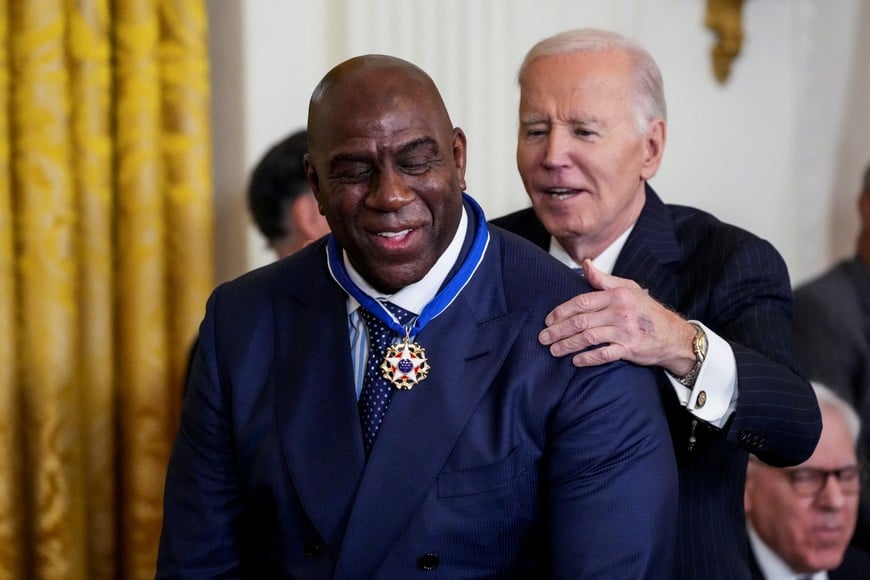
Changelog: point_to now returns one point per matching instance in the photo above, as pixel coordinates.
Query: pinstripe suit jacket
(738, 285)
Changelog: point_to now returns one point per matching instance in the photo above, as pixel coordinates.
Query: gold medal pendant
(405, 364)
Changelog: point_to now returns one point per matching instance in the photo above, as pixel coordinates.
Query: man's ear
(459, 154)
(654, 148)
(307, 218)
(864, 208)
(313, 179)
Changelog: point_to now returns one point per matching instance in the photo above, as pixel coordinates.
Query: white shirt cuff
(714, 396)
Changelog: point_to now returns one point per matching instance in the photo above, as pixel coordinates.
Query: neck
(591, 245)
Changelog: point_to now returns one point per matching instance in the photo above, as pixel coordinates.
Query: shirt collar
(416, 296)
(605, 261)
(771, 565)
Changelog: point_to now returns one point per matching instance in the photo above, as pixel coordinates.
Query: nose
(390, 192)
(556, 152)
(831, 495)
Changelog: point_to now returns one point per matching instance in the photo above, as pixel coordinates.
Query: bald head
(373, 81)
(387, 167)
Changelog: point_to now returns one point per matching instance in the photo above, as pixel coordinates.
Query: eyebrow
(427, 142)
(587, 121)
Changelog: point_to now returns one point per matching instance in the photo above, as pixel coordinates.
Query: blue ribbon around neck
(442, 300)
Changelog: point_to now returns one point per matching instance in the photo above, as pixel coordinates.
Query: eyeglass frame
(819, 479)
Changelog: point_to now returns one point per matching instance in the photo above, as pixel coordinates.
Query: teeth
(393, 234)
(560, 193)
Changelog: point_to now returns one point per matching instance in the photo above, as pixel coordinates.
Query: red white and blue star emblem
(405, 365)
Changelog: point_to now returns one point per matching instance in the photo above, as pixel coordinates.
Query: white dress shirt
(412, 298)
(771, 565)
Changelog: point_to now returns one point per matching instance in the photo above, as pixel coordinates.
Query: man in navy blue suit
(706, 303)
(377, 405)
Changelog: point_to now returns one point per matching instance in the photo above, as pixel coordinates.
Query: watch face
(701, 345)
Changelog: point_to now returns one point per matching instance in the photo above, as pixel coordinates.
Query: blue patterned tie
(376, 391)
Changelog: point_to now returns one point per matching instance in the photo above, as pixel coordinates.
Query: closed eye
(584, 132)
(533, 131)
(415, 166)
(350, 172)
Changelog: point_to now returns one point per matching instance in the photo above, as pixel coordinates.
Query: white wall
(778, 150)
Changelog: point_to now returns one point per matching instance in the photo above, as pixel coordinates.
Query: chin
(826, 559)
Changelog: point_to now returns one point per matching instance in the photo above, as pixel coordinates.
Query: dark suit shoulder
(697, 230)
(532, 275)
(525, 224)
(855, 566)
(292, 270)
(837, 281)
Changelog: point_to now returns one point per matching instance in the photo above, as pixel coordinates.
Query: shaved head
(387, 167)
(373, 79)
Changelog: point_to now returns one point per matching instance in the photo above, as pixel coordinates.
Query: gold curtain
(105, 263)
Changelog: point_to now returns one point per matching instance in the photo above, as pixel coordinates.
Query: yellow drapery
(105, 263)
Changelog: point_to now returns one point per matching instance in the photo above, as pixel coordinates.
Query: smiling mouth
(399, 234)
(561, 193)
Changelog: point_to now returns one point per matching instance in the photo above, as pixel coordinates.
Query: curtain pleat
(12, 543)
(46, 270)
(105, 264)
(90, 67)
(143, 329)
(188, 173)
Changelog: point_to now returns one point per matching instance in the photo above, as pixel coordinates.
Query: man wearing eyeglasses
(800, 519)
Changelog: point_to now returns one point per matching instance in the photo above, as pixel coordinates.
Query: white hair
(650, 92)
(828, 397)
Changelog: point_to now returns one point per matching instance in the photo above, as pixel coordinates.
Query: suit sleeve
(777, 416)
(201, 536)
(612, 480)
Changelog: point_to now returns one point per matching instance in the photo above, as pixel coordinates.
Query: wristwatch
(699, 347)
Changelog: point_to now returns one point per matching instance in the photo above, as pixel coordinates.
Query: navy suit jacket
(737, 285)
(504, 463)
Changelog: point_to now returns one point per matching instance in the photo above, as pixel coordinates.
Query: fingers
(587, 302)
(568, 339)
(597, 356)
(631, 324)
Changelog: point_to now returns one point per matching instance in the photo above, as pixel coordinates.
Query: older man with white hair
(801, 519)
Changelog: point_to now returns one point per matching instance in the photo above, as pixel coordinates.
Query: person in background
(706, 303)
(800, 519)
(377, 406)
(832, 335)
(281, 204)
(280, 199)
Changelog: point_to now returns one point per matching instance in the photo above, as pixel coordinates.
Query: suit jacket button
(428, 562)
(313, 550)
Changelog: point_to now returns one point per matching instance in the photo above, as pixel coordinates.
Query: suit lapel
(316, 412)
(650, 251)
(465, 346)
